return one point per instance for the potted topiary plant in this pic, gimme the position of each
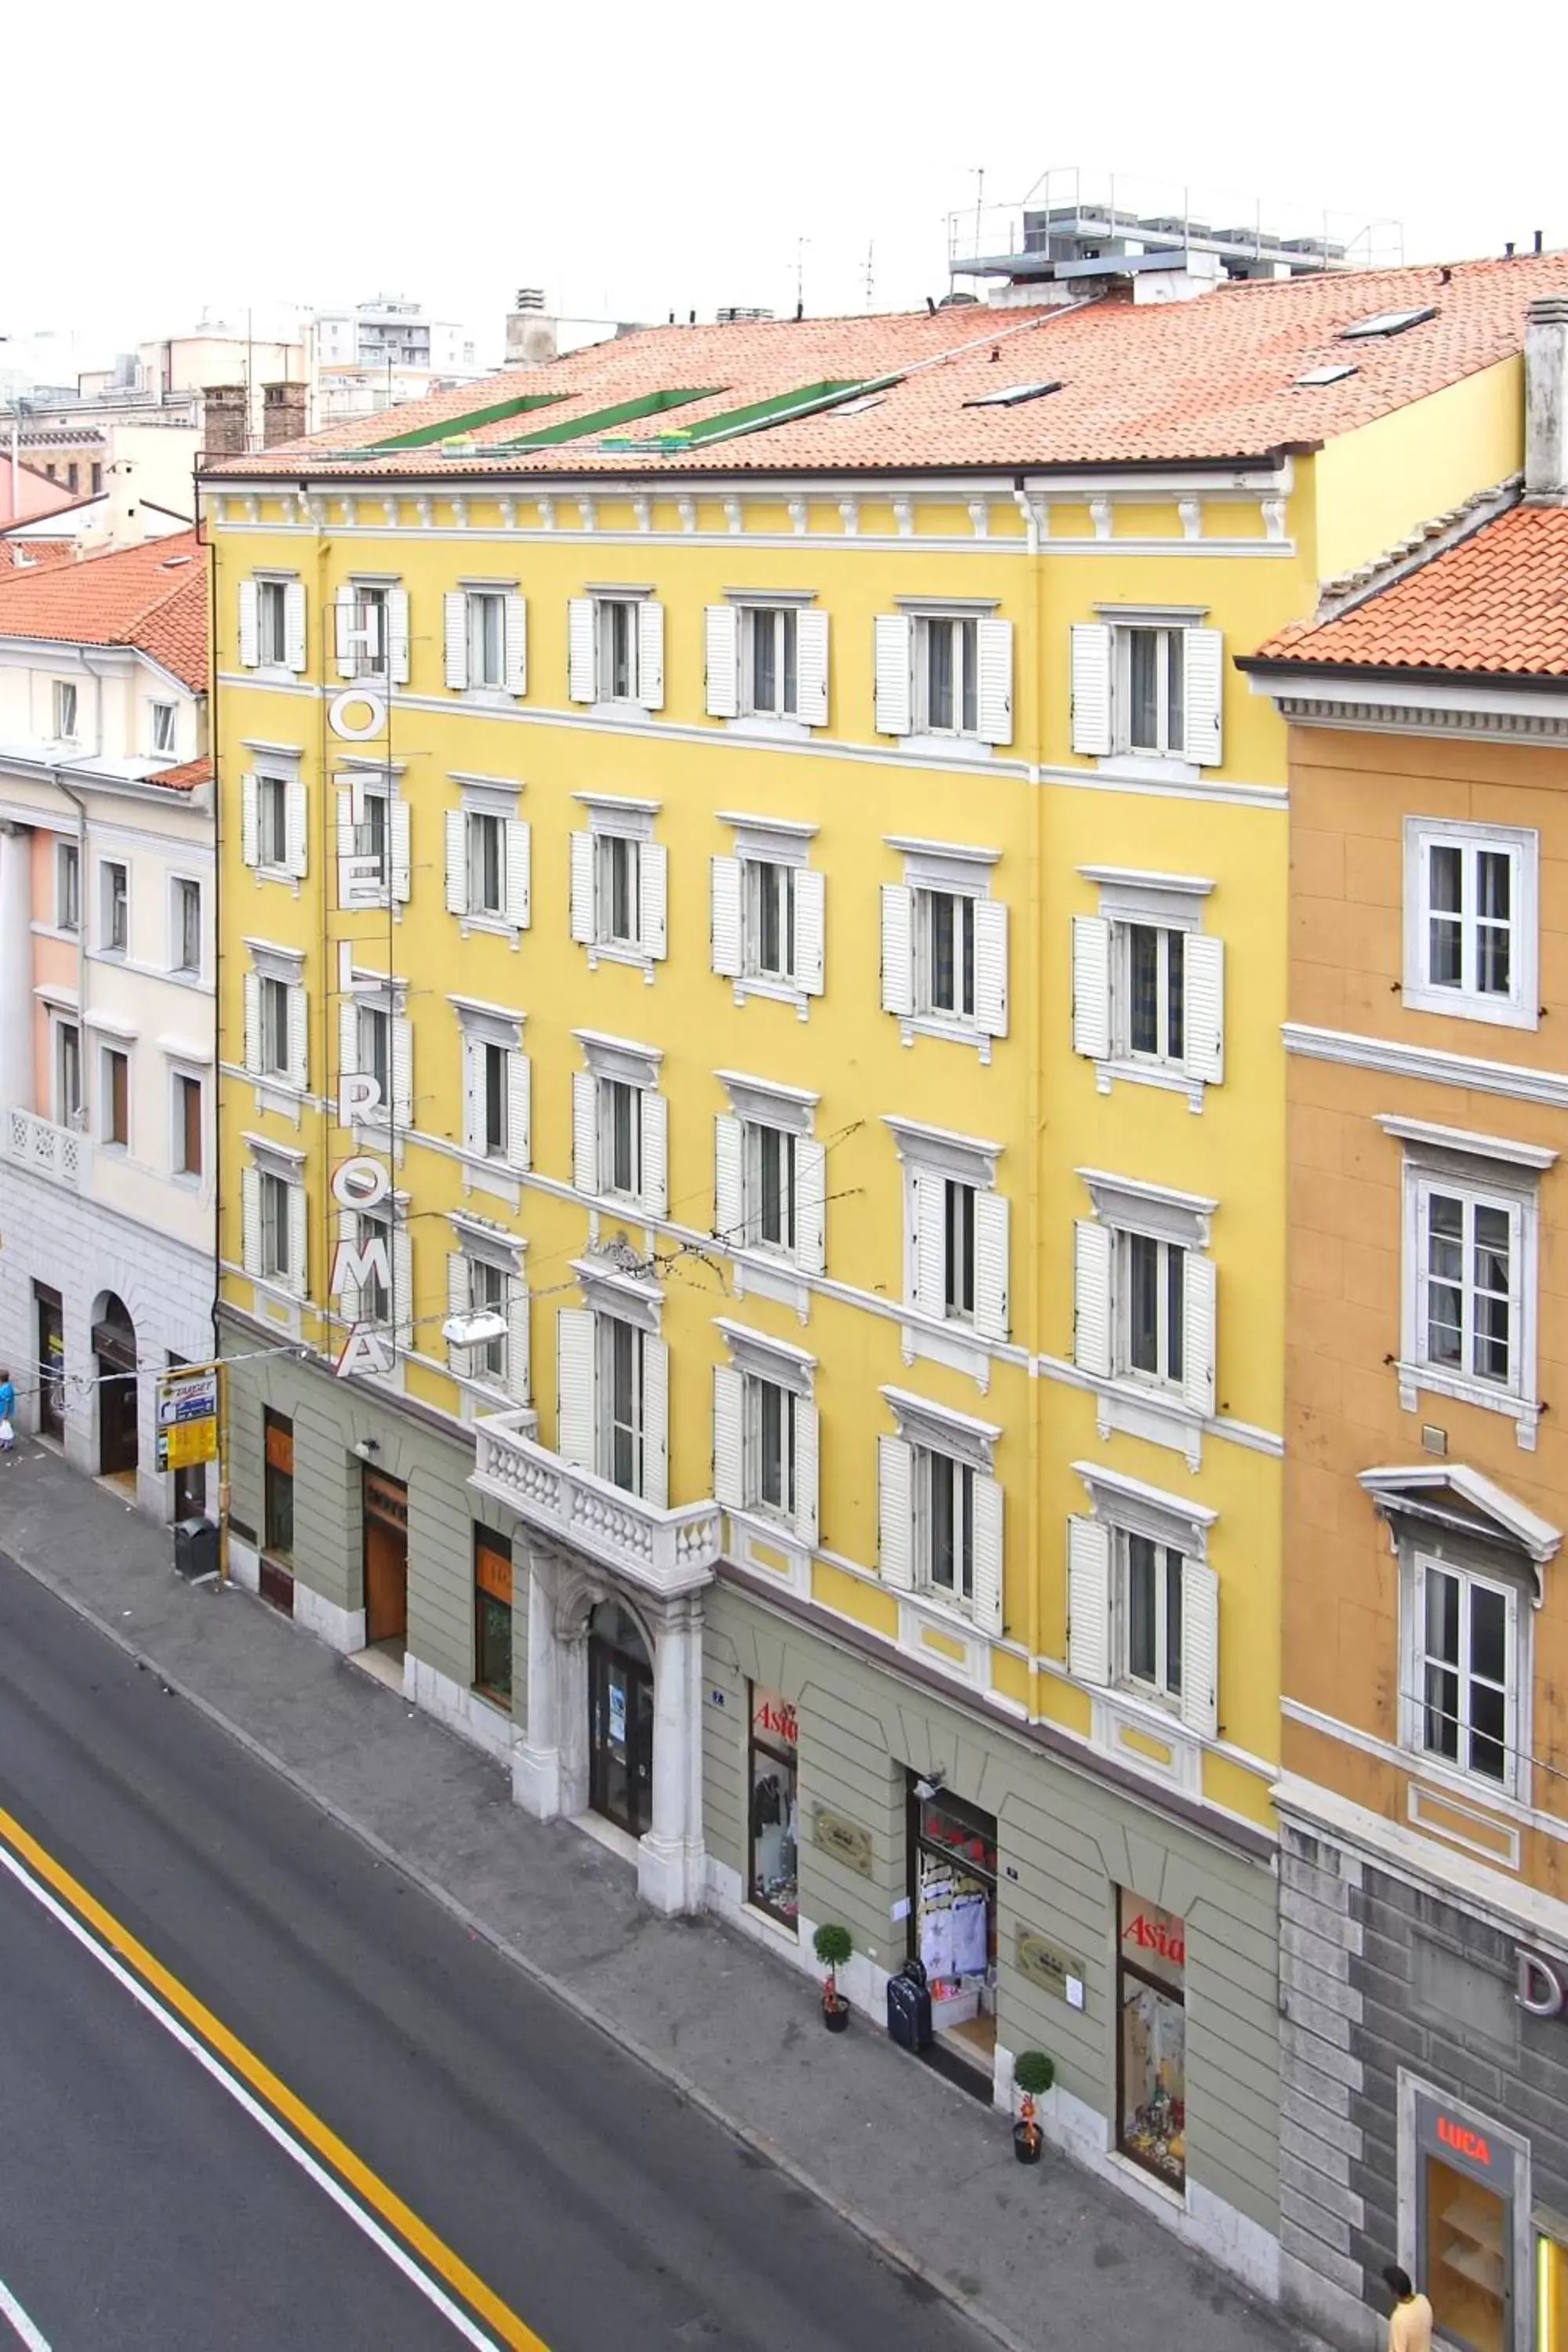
(833, 1947)
(1033, 2073)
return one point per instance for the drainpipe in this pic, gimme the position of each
(1032, 1043)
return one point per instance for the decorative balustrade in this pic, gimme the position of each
(60, 1153)
(665, 1551)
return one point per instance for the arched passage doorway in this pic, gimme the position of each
(114, 1359)
(620, 1719)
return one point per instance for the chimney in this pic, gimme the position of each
(224, 428)
(1546, 401)
(282, 412)
(529, 334)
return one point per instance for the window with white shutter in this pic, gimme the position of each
(1145, 1293)
(767, 913)
(250, 623)
(620, 883)
(766, 1435)
(944, 945)
(894, 661)
(616, 649)
(620, 1124)
(488, 859)
(1148, 687)
(1142, 1600)
(1148, 983)
(939, 1527)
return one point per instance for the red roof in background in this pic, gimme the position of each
(185, 778)
(26, 556)
(153, 597)
(1209, 379)
(1496, 603)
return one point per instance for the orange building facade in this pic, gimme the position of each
(1423, 1800)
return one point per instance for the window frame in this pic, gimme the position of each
(959, 1510)
(274, 1475)
(272, 795)
(179, 1124)
(964, 682)
(1170, 697)
(611, 1094)
(271, 623)
(65, 1057)
(273, 1197)
(782, 621)
(486, 1600)
(1168, 937)
(613, 851)
(754, 888)
(1520, 1009)
(68, 887)
(114, 902)
(480, 827)
(926, 896)
(183, 888)
(67, 711)
(158, 713)
(756, 1391)
(1419, 1559)
(1166, 1563)
(477, 623)
(1169, 1315)
(114, 1097)
(606, 623)
(1437, 1161)
(608, 1331)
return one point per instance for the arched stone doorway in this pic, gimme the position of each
(114, 1360)
(620, 1719)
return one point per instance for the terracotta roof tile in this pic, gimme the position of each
(185, 778)
(1209, 379)
(153, 597)
(1496, 603)
(26, 555)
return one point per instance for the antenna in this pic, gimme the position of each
(872, 275)
(979, 202)
(800, 245)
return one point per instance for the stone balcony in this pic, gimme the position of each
(664, 1552)
(59, 1154)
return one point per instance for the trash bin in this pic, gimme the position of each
(909, 2007)
(195, 1545)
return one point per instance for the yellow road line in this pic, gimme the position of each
(432, 2250)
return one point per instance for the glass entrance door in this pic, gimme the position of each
(620, 1720)
(1470, 2184)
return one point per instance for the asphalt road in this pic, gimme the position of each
(142, 2210)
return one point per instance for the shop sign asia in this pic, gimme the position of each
(187, 1417)
(357, 715)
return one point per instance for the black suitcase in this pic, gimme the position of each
(909, 2007)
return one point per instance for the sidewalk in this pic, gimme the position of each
(1049, 2257)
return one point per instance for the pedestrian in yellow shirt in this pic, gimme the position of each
(1410, 2322)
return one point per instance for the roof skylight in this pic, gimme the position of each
(1012, 395)
(1334, 372)
(1388, 322)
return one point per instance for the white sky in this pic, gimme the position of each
(453, 153)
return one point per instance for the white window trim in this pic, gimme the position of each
(1136, 1508)
(621, 1058)
(1520, 1009)
(763, 1102)
(954, 870)
(761, 1357)
(1121, 761)
(777, 726)
(1133, 1402)
(186, 975)
(107, 1042)
(1132, 1206)
(601, 593)
(622, 817)
(941, 1429)
(275, 576)
(1419, 1547)
(939, 1151)
(101, 946)
(66, 849)
(1498, 1170)
(1171, 902)
(181, 1068)
(947, 742)
(769, 841)
(609, 1290)
(482, 1244)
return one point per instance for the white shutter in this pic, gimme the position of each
(1203, 1008)
(295, 843)
(1089, 1601)
(655, 1422)
(349, 1296)
(726, 917)
(250, 1220)
(456, 862)
(518, 1111)
(991, 1265)
(299, 1039)
(343, 622)
(654, 1152)
(1091, 656)
(810, 925)
(252, 998)
(728, 1438)
(807, 1458)
(350, 889)
(991, 967)
(298, 1239)
(473, 1094)
(581, 651)
(459, 1360)
(402, 1071)
(810, 1205)
(519, 846)
(1202, 694)
(294, 647)
(454, 637)
(250, 821)
(988, 1554)
(928, 1207)
(518, 1354)
(249, 625)
(583, 888)
(653, 894)
(584, 1132)
(348, 1037)
(575, 1387)
(811, 668)
(723, 645)
(896, 1513)
(650, 654)
(1093, 1244)
(1198, 1331)
(397, 635)
(894, 665)
(516, 631)
(994, 698)
(898, 949)
(1092, 987)
(728, 1181)
(399, 825)
(1200, 1648)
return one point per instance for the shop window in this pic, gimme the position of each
(1467, 2228)
(492, 1617)
(277, 1510)
(953, 1917)
(775, 1817)
(1151, 2071)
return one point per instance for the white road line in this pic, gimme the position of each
(21, 2325)
(451, 2312)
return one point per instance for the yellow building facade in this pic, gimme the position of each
(752, 1116)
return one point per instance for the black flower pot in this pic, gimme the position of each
(1028, 2141)
(836, 2016)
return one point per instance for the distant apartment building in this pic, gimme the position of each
(107, 966)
